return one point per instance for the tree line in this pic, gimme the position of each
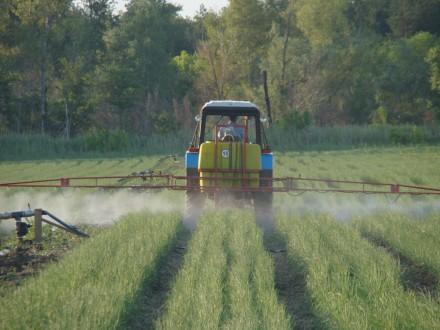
(68, 67)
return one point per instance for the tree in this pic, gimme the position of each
(72, 65)
(8, 53)
(322, 22)
(137, 62)
(40, 18)
(187, 72)
(434, 61)
(247, 24)
(287, 62)
(214, 59)
(408, 17)
(403, 87)
(80, 41)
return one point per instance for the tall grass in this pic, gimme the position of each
(37, 146)
(353, 285)
(350, 136)
(96, 284)
(418, 240)
(227, 279)
(34, 146)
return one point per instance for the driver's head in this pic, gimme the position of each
(226, 134)
(228, 138)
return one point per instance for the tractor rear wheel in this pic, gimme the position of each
(195, 201)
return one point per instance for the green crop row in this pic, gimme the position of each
(95, 285)
(227, 280)
(351, 283)
(417, 240)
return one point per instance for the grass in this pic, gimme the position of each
(351, 136)
(35, 146)
(390, 165)
(227, 277)
(417, 240)
(352, 284)
(394, 164)
(28, 170)
(398, 164)
(95, 285)
(226, 281)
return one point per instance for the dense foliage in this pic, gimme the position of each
(67, 66)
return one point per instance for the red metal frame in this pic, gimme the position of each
(174, 182)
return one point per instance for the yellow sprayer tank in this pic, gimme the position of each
(235, 163)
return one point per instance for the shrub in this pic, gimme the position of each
(106, 140)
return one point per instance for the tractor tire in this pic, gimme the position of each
(195, 201)
(263, 210)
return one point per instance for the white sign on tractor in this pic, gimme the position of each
(225, 153)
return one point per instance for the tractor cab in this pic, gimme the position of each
(229, 129)
(234, 121)
(228, 156)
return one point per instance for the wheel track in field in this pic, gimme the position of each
(290, 283)
(150, 303)
(413, 277)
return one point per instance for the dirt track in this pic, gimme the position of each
(290, 283)
(151, 302)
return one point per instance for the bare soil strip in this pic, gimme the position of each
(149, 305)
(414, 277)
(290, 282)
(21, 264)
(15, 268)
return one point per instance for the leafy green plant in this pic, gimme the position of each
(415, 239)
(379, 116)
(352, 284)
(106, 140)
(400, 135)
(227, 279)
(295, 120)
(93, 286)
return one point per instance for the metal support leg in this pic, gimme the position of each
(38, 226)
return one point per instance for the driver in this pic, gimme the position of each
(231, 133)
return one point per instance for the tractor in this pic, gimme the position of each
(229, 161)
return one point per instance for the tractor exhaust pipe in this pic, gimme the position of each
(267, 98)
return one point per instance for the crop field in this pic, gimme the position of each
(332, 261)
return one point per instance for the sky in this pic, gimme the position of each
(189, 7)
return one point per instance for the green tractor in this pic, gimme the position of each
(229, 161)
